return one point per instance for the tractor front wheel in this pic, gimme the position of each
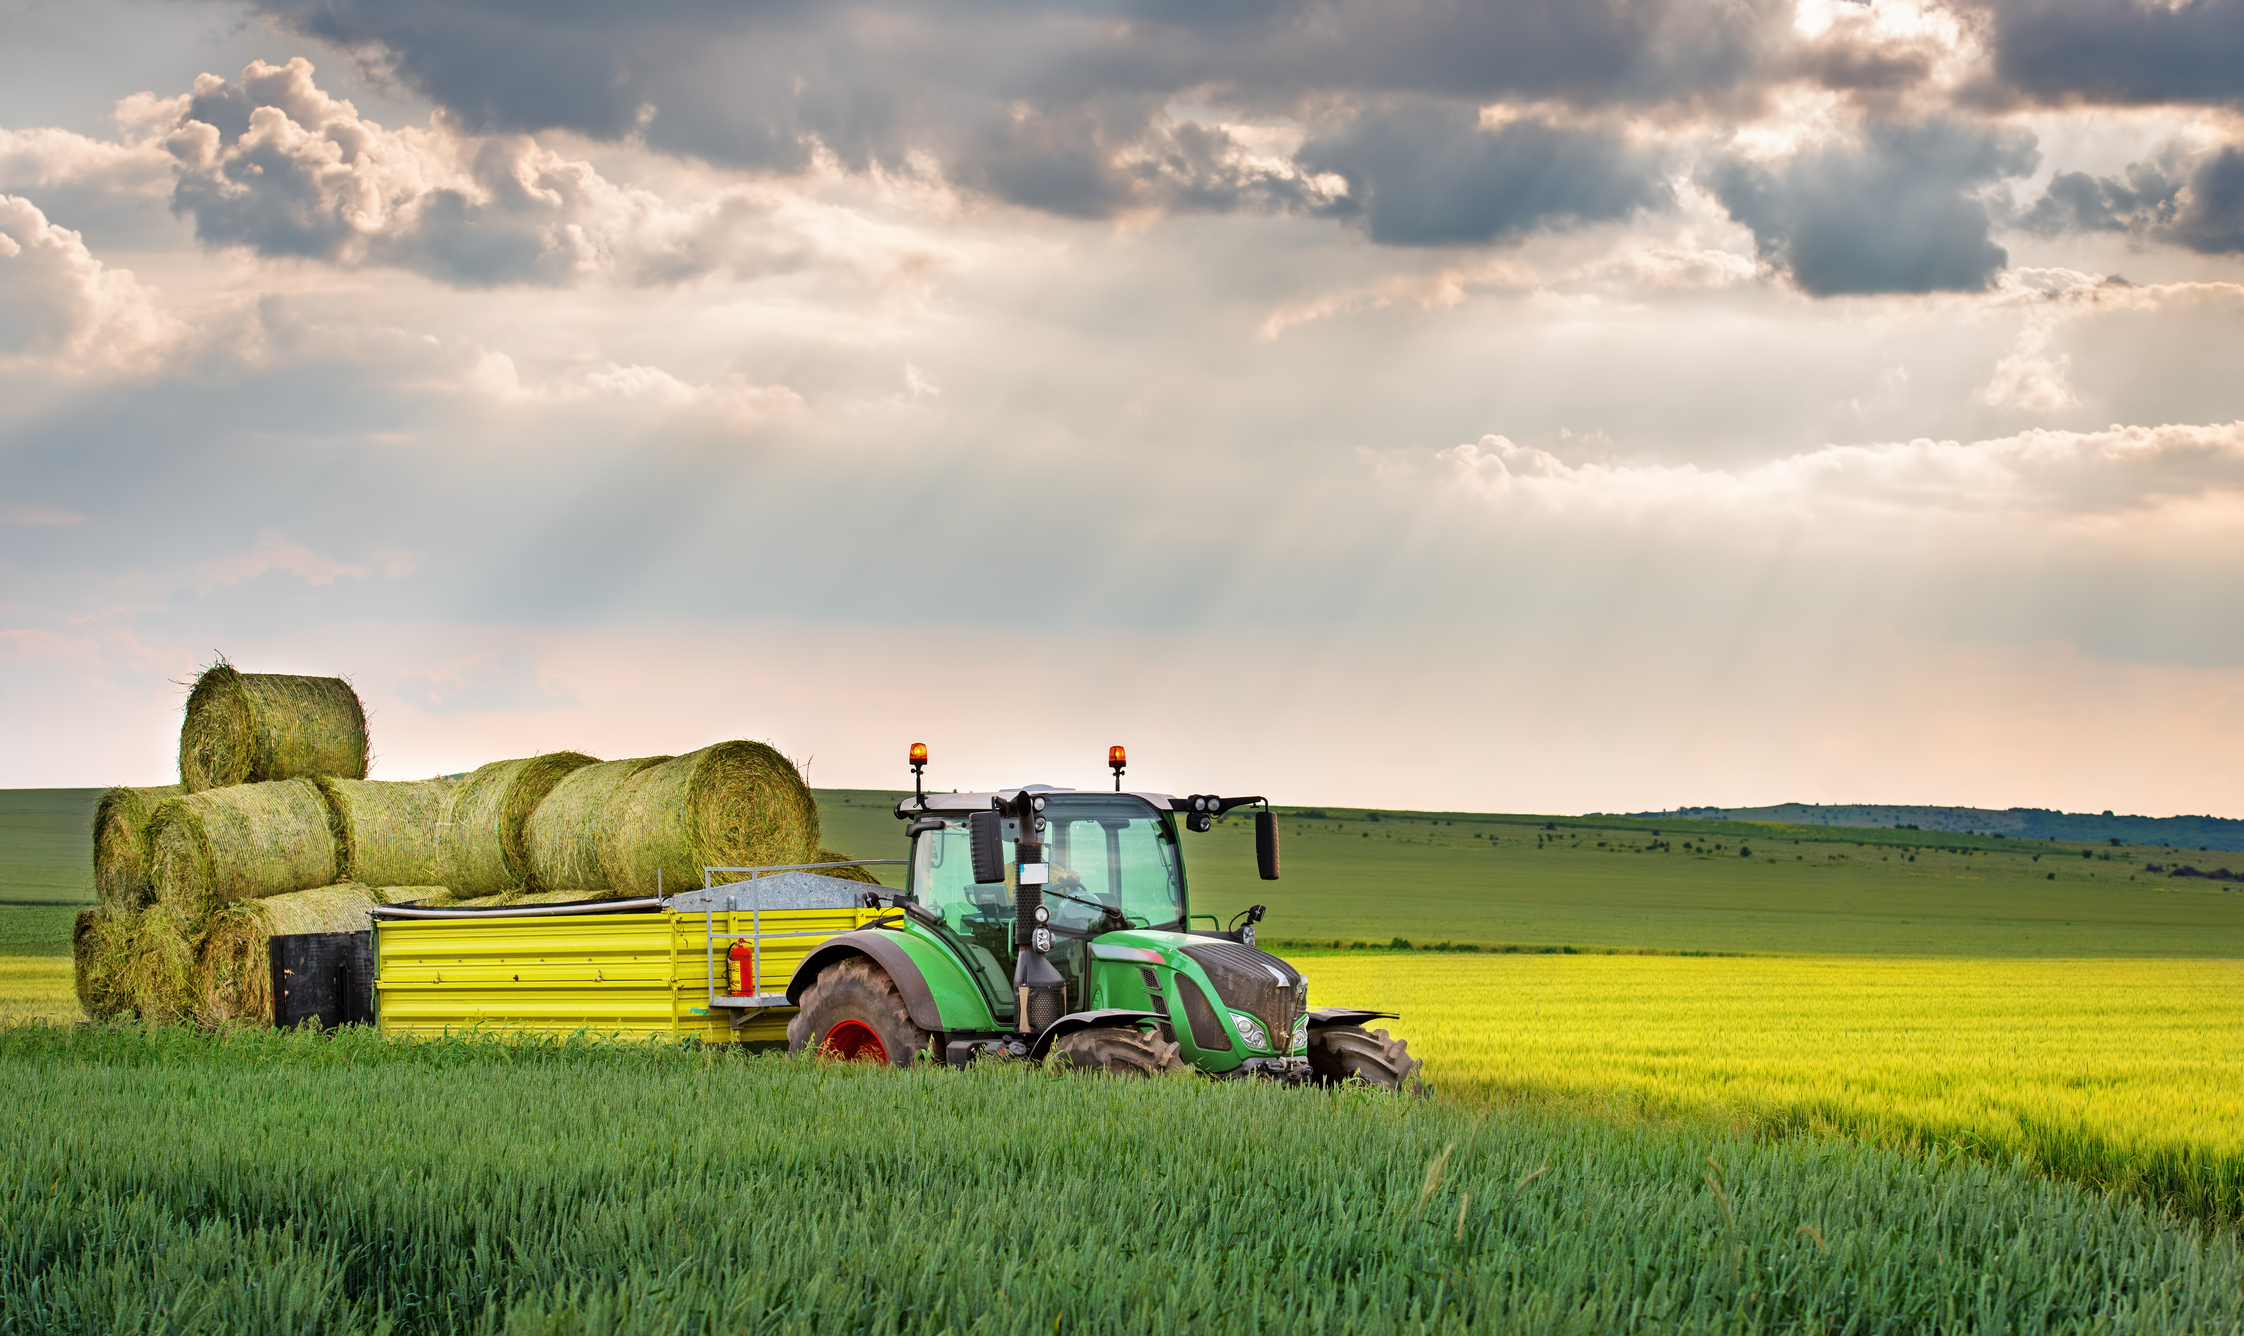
(1116, 1051)
(855, 1013)
(1338, 1052)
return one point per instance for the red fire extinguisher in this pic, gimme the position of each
(743, 958)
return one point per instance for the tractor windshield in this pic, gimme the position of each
(1114, 851)
(1103, 850)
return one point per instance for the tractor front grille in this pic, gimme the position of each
(1257, 983)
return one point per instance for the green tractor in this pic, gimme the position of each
(1084, 892)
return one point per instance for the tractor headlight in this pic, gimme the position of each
(1301, 1034)
(1251, 1030)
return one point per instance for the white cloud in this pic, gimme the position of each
(43, 158)
(61, 307)
(296, 172)
(2032, 379)
(2043, 474)
(730, 401)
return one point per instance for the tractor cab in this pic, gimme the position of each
(1112, 863)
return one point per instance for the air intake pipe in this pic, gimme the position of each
(1040, 994)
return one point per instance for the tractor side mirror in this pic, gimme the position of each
(984, 834)
(1266, 844)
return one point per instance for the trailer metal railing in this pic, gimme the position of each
(743, 1004)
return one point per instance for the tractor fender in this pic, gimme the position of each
(919, 999)
(1086, 1020)
(1321, 1017)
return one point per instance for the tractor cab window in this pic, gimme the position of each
(1112, 851)
(942, 879)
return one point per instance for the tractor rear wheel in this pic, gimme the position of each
(1338, 1052)
(1116, 1051)
(854, 1012)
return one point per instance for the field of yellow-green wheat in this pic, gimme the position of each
(2126, 1073)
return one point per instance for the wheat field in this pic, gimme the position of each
(2119, 1073)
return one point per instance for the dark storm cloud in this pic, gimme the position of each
(2200, 206)
(2213, 219)
(2076, 202)
(1059, 108)
(1427, 174)
(2124, 51)
(1900, 212)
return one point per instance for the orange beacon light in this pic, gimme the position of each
(1116, 759)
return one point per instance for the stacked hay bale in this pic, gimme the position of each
(275, 830)
(564, 831)
(736, 804)
(387, 832)
(101, 954)
(120, 846)
(243, 728)
(483, 848)
(246, 820)
(239, 843)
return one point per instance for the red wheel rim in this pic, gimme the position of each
(855, 1041)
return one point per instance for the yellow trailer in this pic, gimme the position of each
(626, 968)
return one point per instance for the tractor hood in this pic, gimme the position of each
(1243, 978)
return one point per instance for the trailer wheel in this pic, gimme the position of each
(1116, 1051)
(1338, 1052)
(855, 1013)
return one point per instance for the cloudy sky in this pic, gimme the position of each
(1529, 405)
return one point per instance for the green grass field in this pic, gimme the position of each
(165, 1181)
(46, 846)
(1624, 884)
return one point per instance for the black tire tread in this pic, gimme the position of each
(857, 989)
(1338, 1053)
(1117, 1051)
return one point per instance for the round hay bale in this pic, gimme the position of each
(246, 728)
(863, 874)
(736, 804)
(386, 831)
(564, 831)
(100, 951)
(159, 973)
(234, 976)
(482, 847)
(238, 843)
(120, 846)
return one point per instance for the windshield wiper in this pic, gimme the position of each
(1108, 912)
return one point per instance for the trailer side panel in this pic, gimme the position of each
(622, 975)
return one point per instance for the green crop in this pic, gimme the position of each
(164, 1181)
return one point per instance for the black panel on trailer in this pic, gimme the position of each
(323, 978)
